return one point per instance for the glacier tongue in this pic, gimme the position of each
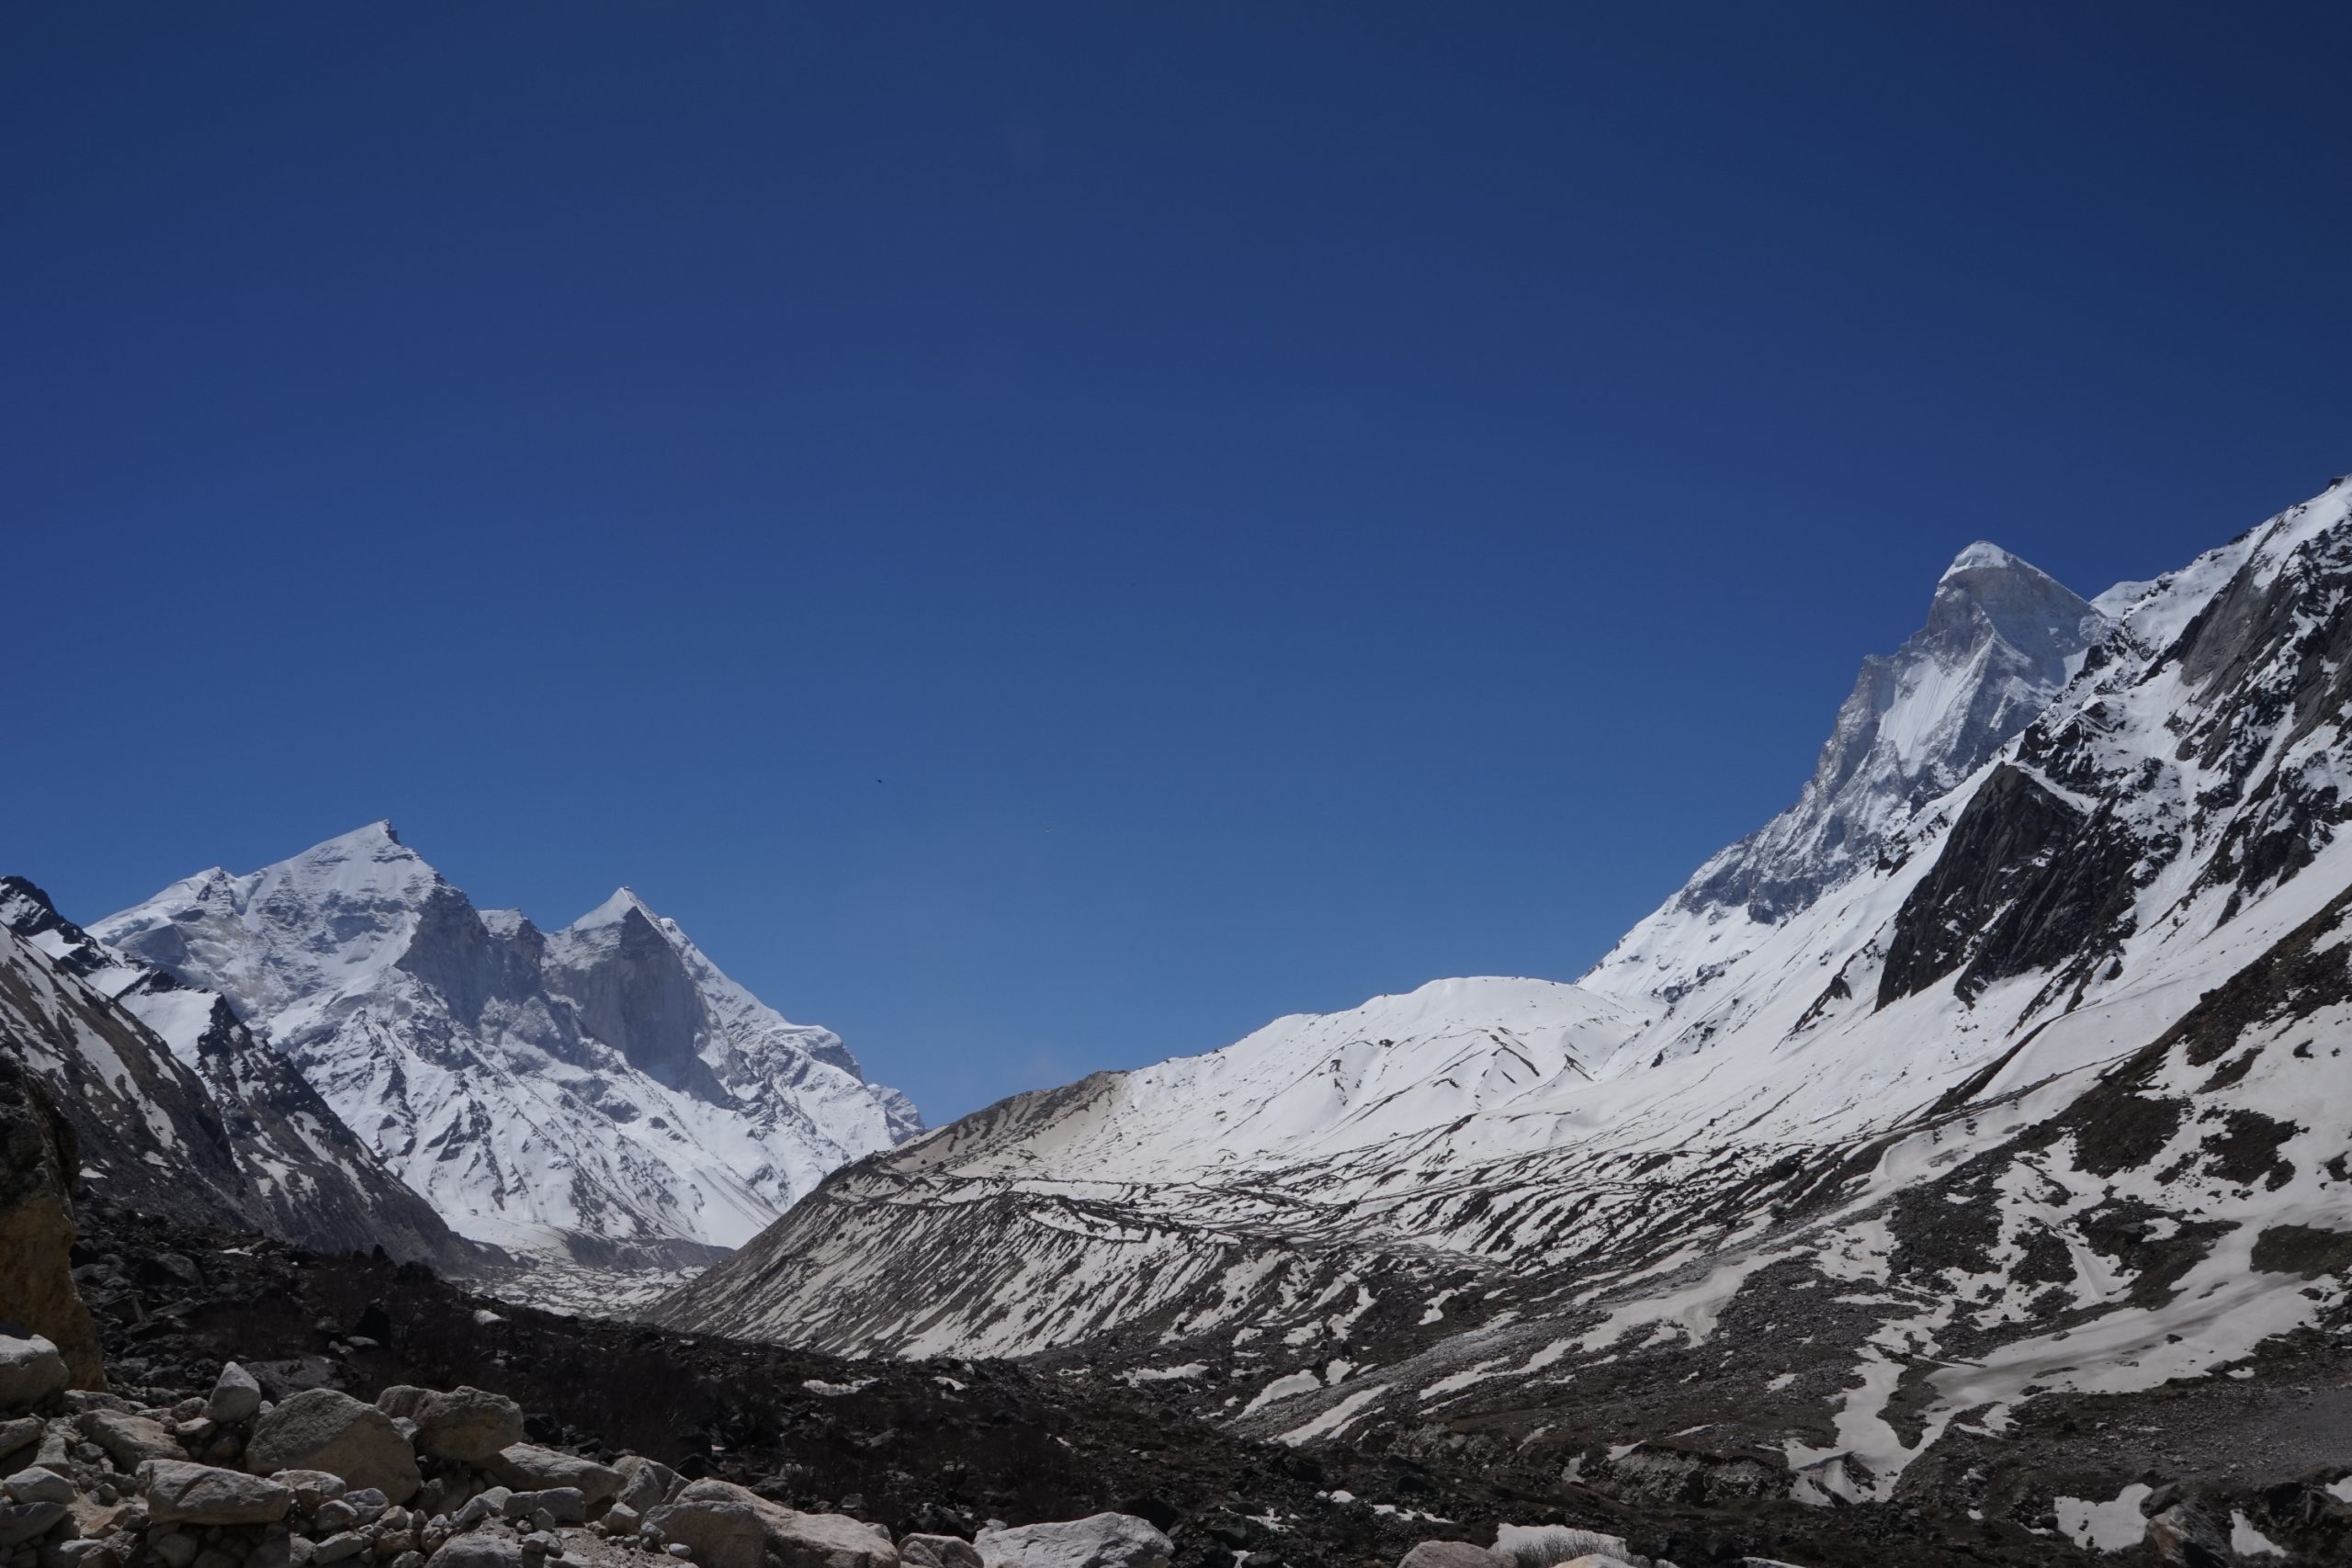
(603, 1095)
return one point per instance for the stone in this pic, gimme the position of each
(725, 1525)
(478, 1550)
(236, 1395)
(38, 1167)
(129, 1440)
(22, 1522)
(645, 1482)
(173, 1548)
(310, 1487)
(466, 1424)
(320, 1428)
(1452, 1554)
(565, 1504)
(1098, 1540)
(333, 1515)
(368, 1503)
(179, 1493)
(939, 1551)
(487, 1505)
(20, 1433)
(38, 1485)
(679, 1549)
(32, 1371)
(338, 1546)
(527, 1467)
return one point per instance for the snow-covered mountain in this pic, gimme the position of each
(180, 1112)
(2000, 640)
(2003, 1074)
(602, 1094)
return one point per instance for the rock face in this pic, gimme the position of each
(2030, 1105)
(601, 1095)
(38, 1167)
(321, 1429)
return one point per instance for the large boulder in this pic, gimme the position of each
(477, 1549)
(39, 1164)
(321, 1429)
(236, 1395)
(466, 1424)
(129, 1440)
(1098, 1540)
(728, 1526)
(1452, 1554)
(183, 1494)
(527, 1467)
(32, 1373)
(645, 1482)
(939, 1551)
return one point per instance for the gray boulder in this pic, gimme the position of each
(564, 1505)
(179, 1493)
(23, 1522)
(320, 1428)
(724, 1526)
(129, 1440)
(527, 1467)
(21, 1434)
(235, 1397)
(38, 1485)
(466, 1424)
(310, 1487)
(32, 1371)
(1452, 1554)
(480, 1550)
(939, 1551)
(1100, 1541)
(645, 1482)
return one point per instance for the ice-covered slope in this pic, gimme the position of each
(2042, 1100)
(603, 1094)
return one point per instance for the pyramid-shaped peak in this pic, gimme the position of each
(1986, 556)
(622, 902)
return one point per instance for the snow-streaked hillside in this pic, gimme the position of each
(603, 1094)
(2039, 1096)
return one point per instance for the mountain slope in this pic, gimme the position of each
(1931, 1152)
(601, 1095)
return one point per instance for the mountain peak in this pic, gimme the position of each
(1986, 556)
(614, 910)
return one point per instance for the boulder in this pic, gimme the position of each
(129, 1440)
(527, 1467)
(939, 1551)
(1452, 1554)
(21, 1434)
(466, 1424)
(310, 1487)
(23, 1522)
(725, 1526)
(480, 1550)
(39, 1166)
(179, 1493)
(320, 1428)
(38, 1485)
(1100, 1541)
(645, 1482)
(32, 1373)
(236, 1396)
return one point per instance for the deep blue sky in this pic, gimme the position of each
(1047, 536)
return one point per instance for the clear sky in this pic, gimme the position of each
(1048, 536)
